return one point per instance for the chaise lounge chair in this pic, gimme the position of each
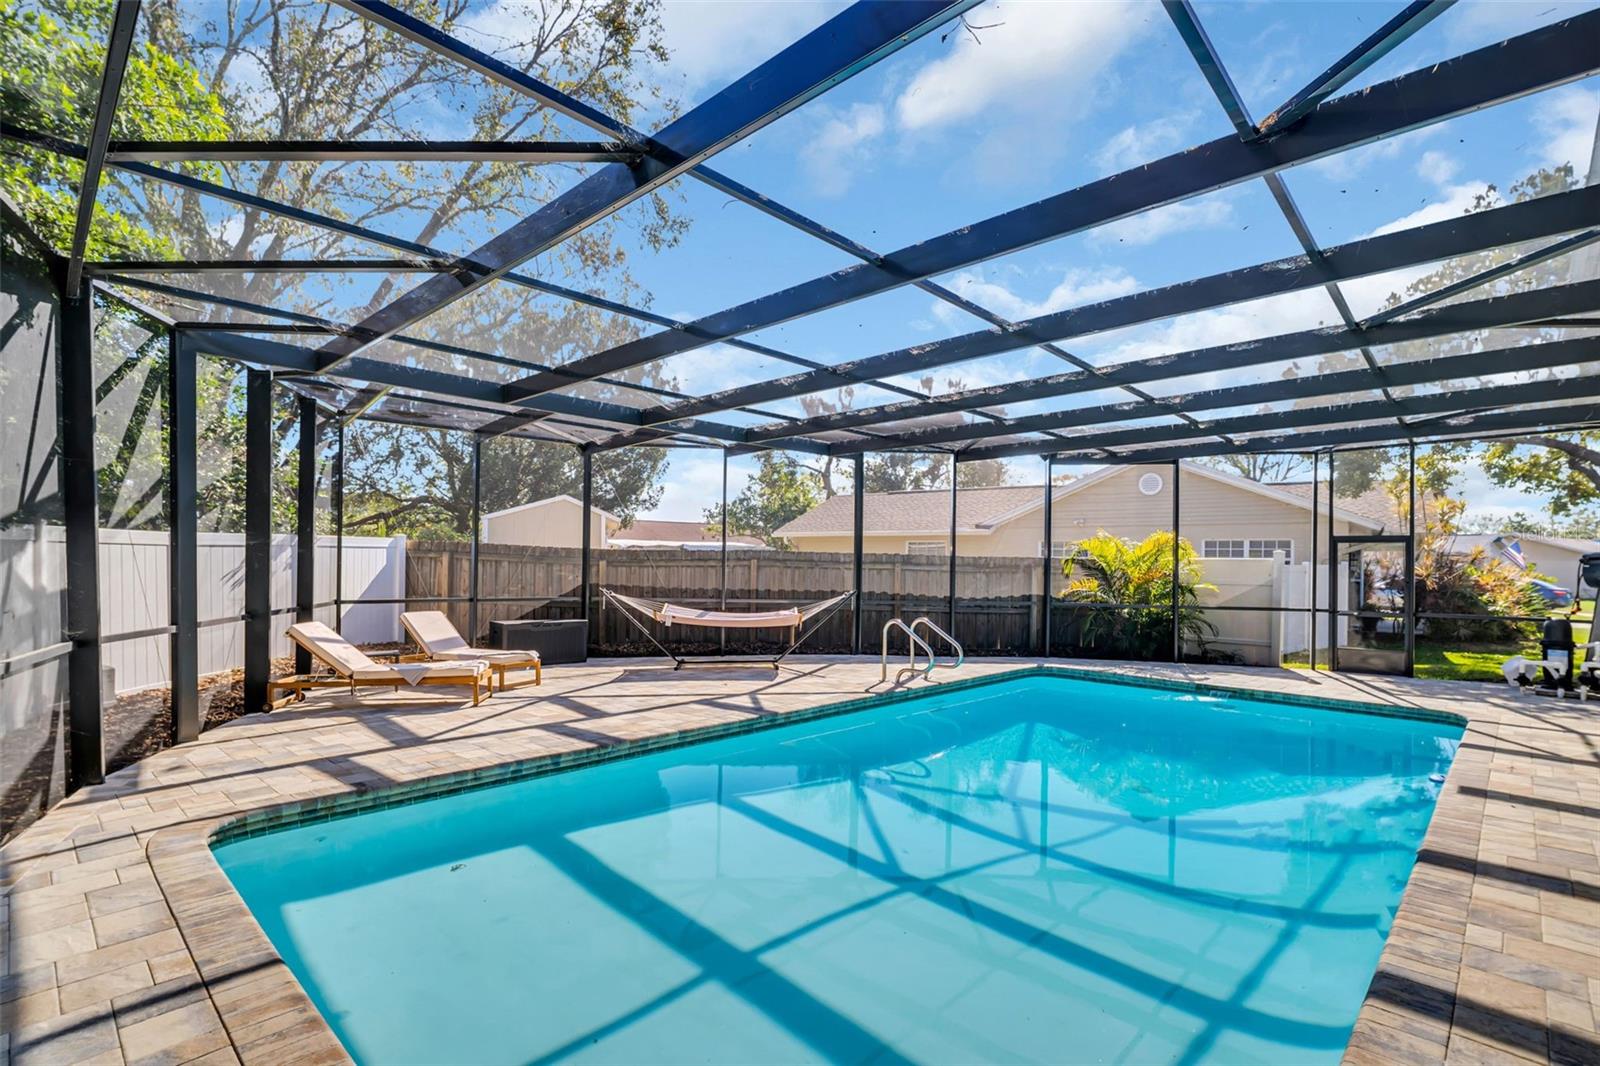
(352, 667)
(441, 642)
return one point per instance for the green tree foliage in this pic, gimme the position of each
(1563, 468)
(289, 71)
(1109, 573)
(404, 479)
(52, 54)
(780, 491)
(1452, 582)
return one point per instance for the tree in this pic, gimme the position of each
(780, 491)
(1108, 575)
(897, 471)
(1565, 469)
(51, 56)
(1267, 468)
(283, 71)
(418, 482)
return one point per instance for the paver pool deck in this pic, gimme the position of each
(124, 942)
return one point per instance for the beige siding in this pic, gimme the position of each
(556, 523)
(1553, 561)
(1211, 510)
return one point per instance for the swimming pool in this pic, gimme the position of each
(1041, 869)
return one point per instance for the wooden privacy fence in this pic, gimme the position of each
(999, 605)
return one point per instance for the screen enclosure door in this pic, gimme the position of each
(1371, 620)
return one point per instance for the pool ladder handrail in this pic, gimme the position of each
(911, 668)
(961, 655)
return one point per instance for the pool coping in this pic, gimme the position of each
(349, 804)
(1407, 1015)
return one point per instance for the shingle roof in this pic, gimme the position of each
(1375, 504)
(678, 533)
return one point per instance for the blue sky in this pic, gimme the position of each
(1050, 96)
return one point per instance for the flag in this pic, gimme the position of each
(1512, 552)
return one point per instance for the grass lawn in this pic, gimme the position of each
(1478, 662)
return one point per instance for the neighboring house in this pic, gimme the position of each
(690, 536)
(1554, 557)
(1224, 516)
(557, 522)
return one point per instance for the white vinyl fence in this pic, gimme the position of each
(134, 595)
(1263, 637)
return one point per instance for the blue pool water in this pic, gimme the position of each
(1043, 869)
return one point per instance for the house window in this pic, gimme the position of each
(1059, 549)
(1263, 549)
(1246, 549)
(927, 547)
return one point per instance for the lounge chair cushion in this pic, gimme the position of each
(330, 649)
(498, 658)
(412, 673)
(435, 635)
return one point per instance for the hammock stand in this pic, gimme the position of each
(793, 619)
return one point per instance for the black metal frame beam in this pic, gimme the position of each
(1449, 368)
(1434, 403)
(857, 552)
(1348, 67)
(305, 558)
(437, 260)
(1484, 277)
(267, 266)
(1538, 60)
(1513, 310)
(1449, 427)
(302, 323)
(183, 547)
(585, 551)
(845, 45)
(257, 539)
(1187, 23)
(86, 763)
(336, 505)
(370, 151)
(1049, 550)
(124, 19)
(1532, 220)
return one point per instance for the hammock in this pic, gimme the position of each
(669, 614)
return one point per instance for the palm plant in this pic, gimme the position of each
(1129, 587)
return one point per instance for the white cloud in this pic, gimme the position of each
(713, 42)
(1288, 313)
(1368, 294)
(1457, 200)
(1076, 287)
(840, 146)
(1566, 121)
(1150, 226)
(1135, 145)
(1028, 53)
(1437, 168)
(1477, 23)
(1345, 165)
(692, 482)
